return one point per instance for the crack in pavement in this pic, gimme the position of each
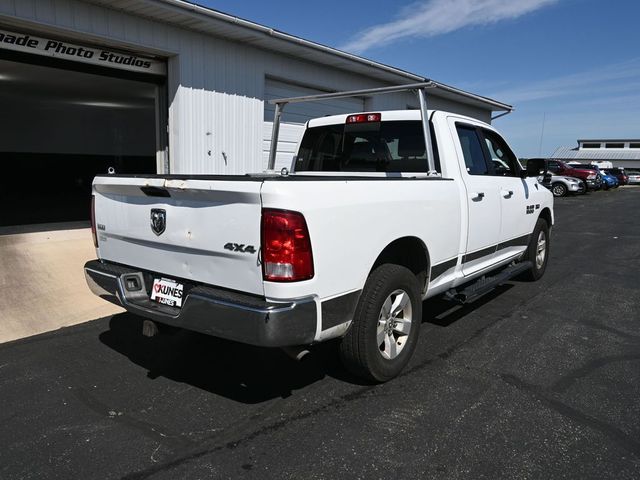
(187, 456)
(625, 441)
(147, 429)
(606, 328)
(567, 380)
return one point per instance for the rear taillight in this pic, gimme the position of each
(93, 221)
(364, 118)
(286, 246)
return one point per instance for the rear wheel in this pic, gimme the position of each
(538, 251)
(385, 327)
(559, 189)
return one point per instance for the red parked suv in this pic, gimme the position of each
(589, 177)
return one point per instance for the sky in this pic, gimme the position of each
(571, 68)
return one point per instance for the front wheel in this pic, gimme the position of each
(538, 251)
(582, 188)
(385, 327)
(559, 189)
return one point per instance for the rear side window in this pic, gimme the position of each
(393, 146)
(472, 150)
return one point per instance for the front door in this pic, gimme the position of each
(517, 210)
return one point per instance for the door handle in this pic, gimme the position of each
(506, 193)
(477, 196)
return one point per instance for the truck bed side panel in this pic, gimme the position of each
(352, 221)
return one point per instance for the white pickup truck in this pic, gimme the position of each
(370, 221)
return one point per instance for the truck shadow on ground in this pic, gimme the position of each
(245, 373)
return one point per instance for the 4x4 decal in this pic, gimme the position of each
(240, 247)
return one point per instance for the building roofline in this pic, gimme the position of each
(605, 140)
(300, 45)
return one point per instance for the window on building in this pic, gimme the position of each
(590, 145)
(634, 145)
(614, 145)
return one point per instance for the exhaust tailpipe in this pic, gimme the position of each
(296, 353)
(149, 328)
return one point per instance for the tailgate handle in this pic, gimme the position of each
(155, 191)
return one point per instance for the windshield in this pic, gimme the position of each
(393, 146)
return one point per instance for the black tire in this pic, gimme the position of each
(558, 189)
(537, 268)
(360, 350)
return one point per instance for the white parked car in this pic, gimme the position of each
(561, 186)
(634, 176)
(370, 221)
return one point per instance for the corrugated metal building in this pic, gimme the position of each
(168, 86)
(620, 152)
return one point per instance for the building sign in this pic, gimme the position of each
(68, 51)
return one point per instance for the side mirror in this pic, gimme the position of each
(535, 168)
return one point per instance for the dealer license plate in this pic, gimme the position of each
(167, 291)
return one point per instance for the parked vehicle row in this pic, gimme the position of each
(609, 179)
(620, 174)
(574, 178)
(589, 175)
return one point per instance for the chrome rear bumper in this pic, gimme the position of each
(213, 311)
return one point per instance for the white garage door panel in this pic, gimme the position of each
(288, 139)
(301, 112)
(295, 115)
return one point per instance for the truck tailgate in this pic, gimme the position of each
(202, 217)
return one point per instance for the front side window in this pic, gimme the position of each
(503, 160)
(392, 146)
(474, 159)
(553, 167)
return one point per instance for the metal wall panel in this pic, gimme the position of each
(216, 87)
(295, 115)
(7, 7)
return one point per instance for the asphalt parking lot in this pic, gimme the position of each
(532, 381)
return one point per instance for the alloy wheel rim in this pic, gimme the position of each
(541, 250)
(558, 190)
(394, 324)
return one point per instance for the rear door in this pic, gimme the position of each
(203, 230)
(483, 201)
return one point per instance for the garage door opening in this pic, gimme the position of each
(59, 128)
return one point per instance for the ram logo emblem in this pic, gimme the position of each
(158, 220)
